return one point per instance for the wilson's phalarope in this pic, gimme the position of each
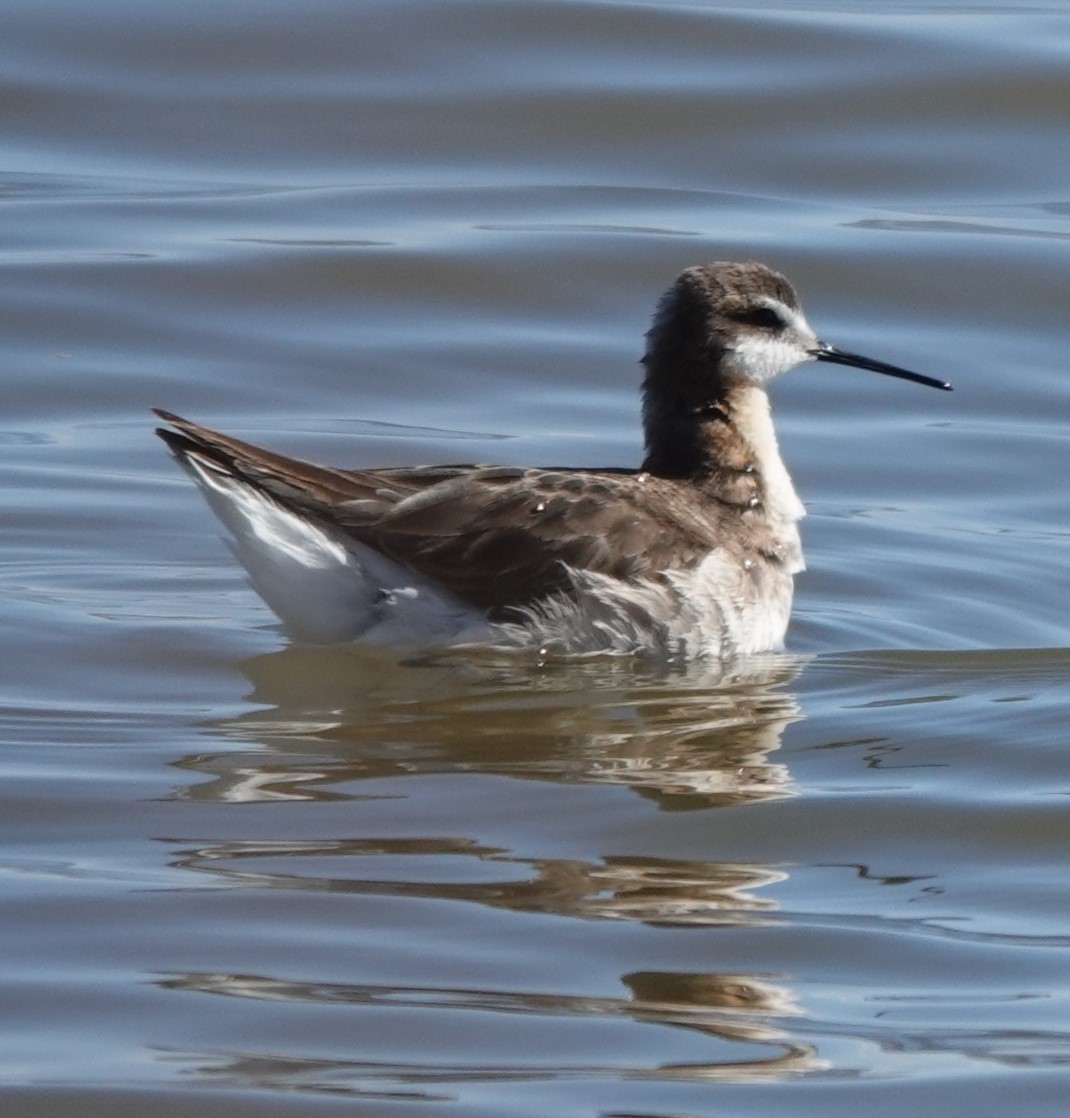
(691, 554)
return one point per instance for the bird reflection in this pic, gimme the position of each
(739, 1016)
(658, 891)
(336, 717)
(344, 725)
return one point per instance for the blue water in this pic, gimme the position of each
(246, 879)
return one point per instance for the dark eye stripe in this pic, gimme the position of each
(765, 317)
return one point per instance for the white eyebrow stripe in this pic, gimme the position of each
(792, 317)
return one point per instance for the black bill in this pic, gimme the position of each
(836, 356)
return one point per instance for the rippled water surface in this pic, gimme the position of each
(241, 878)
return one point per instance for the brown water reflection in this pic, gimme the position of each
(343, 728)
(686, 739)
(736, 1009)
(654, 890)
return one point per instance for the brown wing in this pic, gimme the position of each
(497, 537)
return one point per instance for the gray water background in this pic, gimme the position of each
(245, 879)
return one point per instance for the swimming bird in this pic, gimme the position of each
(691, 555)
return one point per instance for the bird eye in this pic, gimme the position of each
(764, 317)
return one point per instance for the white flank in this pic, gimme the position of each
(324, 590)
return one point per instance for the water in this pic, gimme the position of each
(246, 879)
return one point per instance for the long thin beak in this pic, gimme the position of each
(836, 356)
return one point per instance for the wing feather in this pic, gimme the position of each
(499, 538)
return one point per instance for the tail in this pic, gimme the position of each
(320, 580)
(309, 576)
(296, 484)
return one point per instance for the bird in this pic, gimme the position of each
(692, 555)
